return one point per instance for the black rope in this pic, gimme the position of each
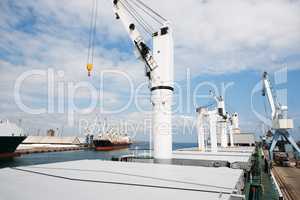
(120, 183)
(209, 105)
(134, 175)
(229, 108)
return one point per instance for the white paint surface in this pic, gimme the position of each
(16, 184)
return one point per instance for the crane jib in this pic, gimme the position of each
(144, 51)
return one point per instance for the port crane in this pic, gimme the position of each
(279, 115)
(158, 65)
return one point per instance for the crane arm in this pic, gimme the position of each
(220, 104)
(267, 91)
(122, 11)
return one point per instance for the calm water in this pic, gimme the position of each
(43, 158)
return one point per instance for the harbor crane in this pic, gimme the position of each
(280, 121)
(158, 66)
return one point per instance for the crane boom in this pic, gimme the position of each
(135, 36)
(220, 104)
(278, 112)
(159, 69)
(222, 117)
(267, 91)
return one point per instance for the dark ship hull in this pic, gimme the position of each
(107, 145)
(9, 144)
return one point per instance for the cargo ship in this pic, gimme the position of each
(111, 141)
(10, 138)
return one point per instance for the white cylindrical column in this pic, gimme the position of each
(223, 131)
(235, 121)
(213, 131)
(200, 128)
(162, 93)
(231, 135)
(162, 123)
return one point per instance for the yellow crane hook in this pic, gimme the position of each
(89, 68)
(91, 48)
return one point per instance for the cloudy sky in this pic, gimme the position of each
(217, 43)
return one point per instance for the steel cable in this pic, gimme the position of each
(94, 30)
(124, 183)
(91, 30)
(137, 19)
(147, 12)
(150, 9)
(137, 15)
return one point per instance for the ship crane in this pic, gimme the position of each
(213, 118)
(158, 66)
(222, 118)
(280, 121)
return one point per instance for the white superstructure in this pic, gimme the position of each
(9, 129)
(216, 123)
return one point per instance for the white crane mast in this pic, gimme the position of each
(213, 121)
(207, 125)
(159, 70)
(230, 130)
(213, 115)
(222, 119)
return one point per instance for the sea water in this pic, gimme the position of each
(52, 157)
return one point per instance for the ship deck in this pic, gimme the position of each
(234, 157)
(236, 149)
(229, 156)
(90, 179)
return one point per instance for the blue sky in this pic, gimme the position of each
(216, 42)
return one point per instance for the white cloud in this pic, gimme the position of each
(211, 37)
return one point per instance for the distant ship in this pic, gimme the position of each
(111, 141)
(10, 138)
(103, 136)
